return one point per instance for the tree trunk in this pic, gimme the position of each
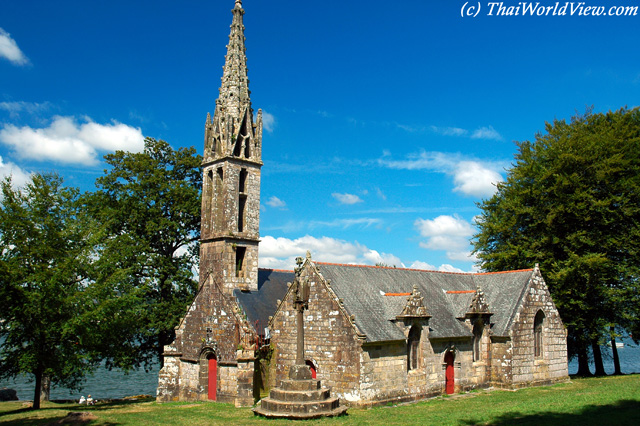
(583, 363)
(36, 395)
(597, 358)
(46, 388)
(614, 350)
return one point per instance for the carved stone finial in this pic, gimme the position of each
(239, 3)
(308, 255)
(415, 306)
(479, 304)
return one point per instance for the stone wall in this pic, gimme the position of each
(219, 258)
(501, 361)
(227, 382)
(168, 380)
(551, 366)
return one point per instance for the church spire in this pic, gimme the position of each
(233, 132)
(234, 91)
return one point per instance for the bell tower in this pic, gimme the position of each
(231, 165)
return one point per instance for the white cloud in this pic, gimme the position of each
(347, 198)
(15, 108)
(280, 253)
(268, 121)
(447, 233)
(450, 131)
(276, 203)
(422, 265)
(18, 176)
(66, 141)
(471, 177)
(476, 179)
(486, 133)
(364, 222)
(445, 267)
(9, 49)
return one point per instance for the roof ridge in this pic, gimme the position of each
(504, 272)
(275, 270)
(422, 270)
(392, 267)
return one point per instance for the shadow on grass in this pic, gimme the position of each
(57, 420)
(625, 412)
(40, 417)
(71, 407)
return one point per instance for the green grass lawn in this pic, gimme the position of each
(608, 401)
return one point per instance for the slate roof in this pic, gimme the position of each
(364, 291)
(447, 297)
(259, 305)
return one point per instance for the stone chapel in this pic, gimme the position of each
(373, 334)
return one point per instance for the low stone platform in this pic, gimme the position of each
(300, 399)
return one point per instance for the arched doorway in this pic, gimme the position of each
(312, 368)
(212, 383)
(449, 373)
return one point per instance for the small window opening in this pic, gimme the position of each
(220, 174)
(247, 148)
(240, 253)
(538, 325)
(242, 183)
(208, 197)
(413, 345)
(477, 341)
(241, 208)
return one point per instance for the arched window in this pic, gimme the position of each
(477, 341)
(412, 348)
(538, 325)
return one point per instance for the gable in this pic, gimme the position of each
(260, 305)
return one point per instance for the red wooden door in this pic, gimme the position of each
(213, 378)
(312, 368)
(449, 374)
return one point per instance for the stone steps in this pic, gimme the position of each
(300, 399)
(299, 396)
(300, 385)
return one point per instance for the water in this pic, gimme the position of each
(105, 384)
(629, 359)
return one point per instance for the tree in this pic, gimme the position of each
(45, 251)
(149, 207)
(571, 202)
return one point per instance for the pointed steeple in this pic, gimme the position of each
(233, 133)
(234, 90)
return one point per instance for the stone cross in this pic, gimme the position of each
(301, 302)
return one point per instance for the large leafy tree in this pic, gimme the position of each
(148, 205)
(45, 252)
(571, 202)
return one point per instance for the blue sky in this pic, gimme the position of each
(386, 122)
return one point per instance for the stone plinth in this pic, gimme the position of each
(300, 399)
